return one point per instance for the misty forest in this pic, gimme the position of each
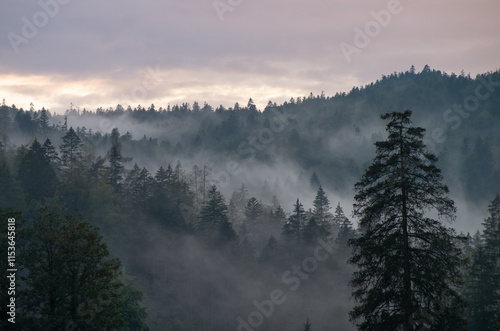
(376, 209)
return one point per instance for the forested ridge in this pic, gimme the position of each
(211, 210)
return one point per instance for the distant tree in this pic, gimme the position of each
(312, 231)
(307, 326)
(71, 154)
(51, 152)
(292, 229)
(314, 181)
(13, 196)
(346, 231)
(36, 173)
(44, 120)
(115, 158)
(481, 291)
(321, 210)
(270, 250)
(253, 210)
(214, 225)
(408, 266)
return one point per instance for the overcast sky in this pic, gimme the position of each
(103, 53)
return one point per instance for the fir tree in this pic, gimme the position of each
(292, 229)
(483, 297)
(214, 225)
(408, 264)
(71, 154)
(115, 158)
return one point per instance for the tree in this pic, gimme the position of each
(307, 326)
(69, 281)
(346, 231)
(51, 152)
(321, 210)
(408, 266)
(292, 229)
(71, 154)
(314, 181)
(36, 172)
(214, 225)
(44, 120)
(116, 160)
(483, 297)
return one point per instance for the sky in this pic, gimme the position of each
(90, 54)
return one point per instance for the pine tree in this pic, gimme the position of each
(483, 297)
(253, 210)
(408, 266)
(307, 326)
(69, 280)
(322, 208)
(44, 120)
(214, 225)
(292, 229)
(314, 181)
(36, 173)
(51, 152)
(115, 158)
(71, 154)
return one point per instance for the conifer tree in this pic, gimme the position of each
(292, 229)
(482, 294)
(408, 266)
(71, 154)
(322, 208)
(115, 158)
(214, 225)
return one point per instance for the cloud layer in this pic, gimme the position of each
(93, 53)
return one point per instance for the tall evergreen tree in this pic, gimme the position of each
(36, 172)
(71, 154)
(292, 229)
(214, 225)
(408, 266)
(69, 281)
(322, 208)
(116, 160)
(483, 284)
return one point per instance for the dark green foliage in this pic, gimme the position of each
(11, 194)
(322, 208)
(483, 281)
(36, 173)
(69, 279)
(408, 265)
(346, 231)
(292, 229)
(214, 225)
(115, 170)
(71, 154)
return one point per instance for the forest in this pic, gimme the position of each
(374, 209)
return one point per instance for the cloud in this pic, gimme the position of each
(261, 49)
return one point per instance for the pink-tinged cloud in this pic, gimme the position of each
(95, 53)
